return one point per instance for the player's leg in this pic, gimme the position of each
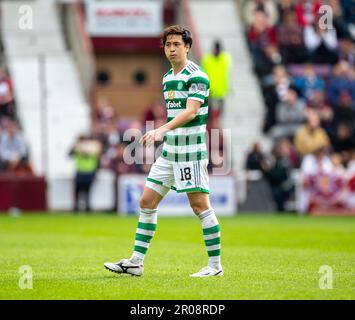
(157, 186)
(145, 231)
(147, 222)
(201, 206)
(192, 177)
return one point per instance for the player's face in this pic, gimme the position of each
(175, 49)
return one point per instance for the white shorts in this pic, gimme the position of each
(190, 176)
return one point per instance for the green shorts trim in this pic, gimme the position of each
(193, 190)
(155, 181)
(179, 191)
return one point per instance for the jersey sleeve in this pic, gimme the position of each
(198, 87)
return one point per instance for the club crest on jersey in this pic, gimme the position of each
(171, 94)
(180, 85)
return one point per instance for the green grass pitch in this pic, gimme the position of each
(264, 257)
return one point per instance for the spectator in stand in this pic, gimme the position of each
(86, 154)
(277, 171)
(316, 162)
(290, 115)
(313, 164)
(267, 6)
(338, 20)
(218, 66)
(118, 157)
(260, 34)
(307, 11)
(344, 140)
(111, 134)
(285, 7)
(13, 150)
(109, 141)
(7, 108)
(119, 164)
(290, 152)
(348, 8)
(321, 43)
(308, 83)
(347, 51)
(350, 177)
(105, 123)
(269, 58)
(138, 127)
(104, 112)
(279, 82)
(275, 90)
(344, 110)
(136, 150)
(338, 164)
(217, 154)
(351, 164)
(157, 113)
(311, 137)
(325, 113)
(254, 157)
(154, 112)
(290, 37)
(342, 79)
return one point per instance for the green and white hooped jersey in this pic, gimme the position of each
(187, 143)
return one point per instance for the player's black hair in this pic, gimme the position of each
(176, 29)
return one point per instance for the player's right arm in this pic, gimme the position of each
(192, 108)
(198, 87)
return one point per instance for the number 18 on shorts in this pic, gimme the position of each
(190, 176)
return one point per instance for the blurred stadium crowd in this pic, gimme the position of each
(306, 72)
(13, 148)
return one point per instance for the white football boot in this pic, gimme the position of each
(125, 266)
(208, 272)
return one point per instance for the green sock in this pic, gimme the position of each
(147, 224)
(212, 237)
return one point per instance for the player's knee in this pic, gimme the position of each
(198, 207)
(147, 203)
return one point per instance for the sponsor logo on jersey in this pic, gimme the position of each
(171, 94)
(172, 104)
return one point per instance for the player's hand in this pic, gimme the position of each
(147, 138)
(151, 136)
